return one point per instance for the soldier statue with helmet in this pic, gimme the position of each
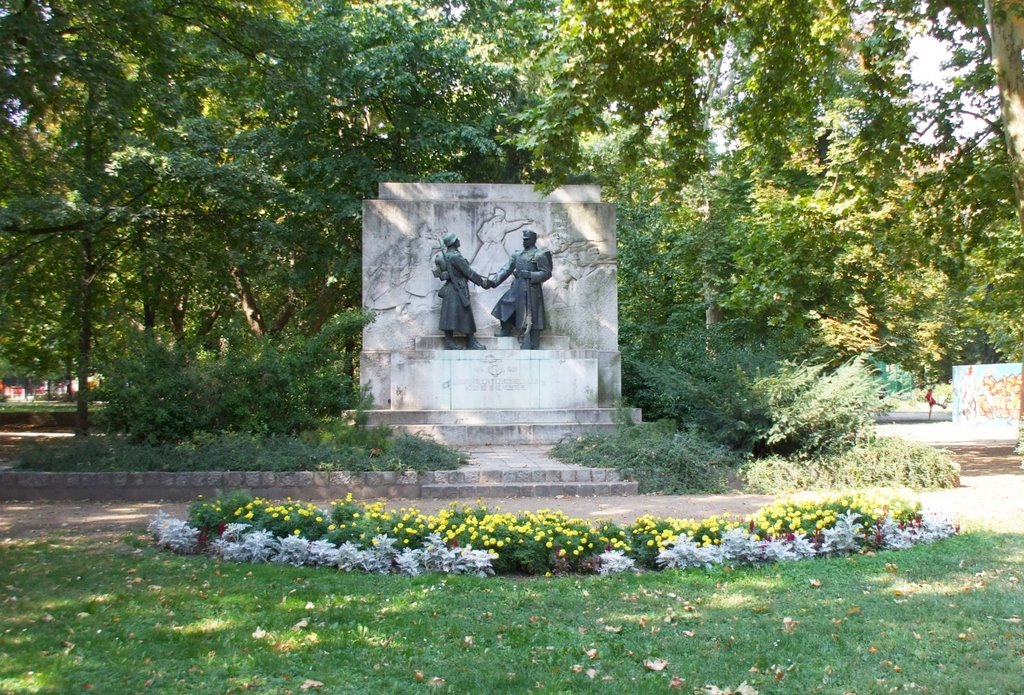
(521, 309)
(452, 268)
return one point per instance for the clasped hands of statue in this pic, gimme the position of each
(489, 282)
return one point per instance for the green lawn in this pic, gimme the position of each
(117, 616)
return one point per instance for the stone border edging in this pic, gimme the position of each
(186, 486)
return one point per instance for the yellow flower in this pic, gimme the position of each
(296, 532)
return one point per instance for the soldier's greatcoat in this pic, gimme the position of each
(456, 310)
(523, 303)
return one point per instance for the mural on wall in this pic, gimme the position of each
(987, 392)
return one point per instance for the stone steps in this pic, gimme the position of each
(469, 491)
(501, 427)
(500, 435)
(530, 481)
(528, 416)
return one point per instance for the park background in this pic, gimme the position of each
(797, 181)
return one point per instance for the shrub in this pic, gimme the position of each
(705, 387)
(660, 458)
(240, 452)
(880, 462)
(813, 411)
(261, 386)
(750, 402)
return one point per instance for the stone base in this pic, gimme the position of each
(498, 379)
(500, 395)
(502, 426)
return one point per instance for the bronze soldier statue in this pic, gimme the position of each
(453, 269)
(521, 308)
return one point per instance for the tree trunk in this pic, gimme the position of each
(1006, 25)
(84, 337)
(250, 307)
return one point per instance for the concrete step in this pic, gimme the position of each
(529, 416)
(471, 490)
(502, 435)
(559, 473)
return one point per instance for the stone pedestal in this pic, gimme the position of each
(502, 394)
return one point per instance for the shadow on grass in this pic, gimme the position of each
(119, 616)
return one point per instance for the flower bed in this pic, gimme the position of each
(462, 539)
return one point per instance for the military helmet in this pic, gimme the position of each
(449, 239)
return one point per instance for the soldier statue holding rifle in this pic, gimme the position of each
(521, 309)
(451, 267)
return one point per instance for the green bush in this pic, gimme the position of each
(264, 387)
(706, 387)
(659, 457)
(752, 405)
(239, 452)
(880, 462)
(813, 411)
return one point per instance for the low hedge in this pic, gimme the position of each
(241, 453)
(660, 458)
(880, 462)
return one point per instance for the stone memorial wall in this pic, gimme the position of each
(403, 365)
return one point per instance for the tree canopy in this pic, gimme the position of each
(194, 170)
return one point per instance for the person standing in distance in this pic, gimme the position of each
(521, 309)
(452, 268)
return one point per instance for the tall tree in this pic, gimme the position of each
(1006, 22)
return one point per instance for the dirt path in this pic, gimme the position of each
(991, 495)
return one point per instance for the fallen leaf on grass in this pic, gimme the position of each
(591, 673)
(676, 683)
(613, 628)
(259, 633)
(419, 676)
(436, 682)
(591, 653)
(816, 583)
(655, 664)
(310, 684)
(302, 624)
(789, 624)
(741, 689)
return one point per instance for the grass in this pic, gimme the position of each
(117, 616)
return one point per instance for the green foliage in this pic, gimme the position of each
(744, 398)
(169, 393)
(814, 411)
(240, 452)
(712, 393)
(881, 462)
(660, 458)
